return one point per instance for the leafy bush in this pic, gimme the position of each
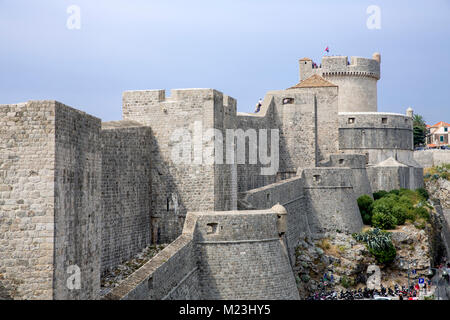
(365, 204)
(379, 244)
(379, 194)
(423, 213)
(383, 205)
(423, 193)
(405, 201)
(385, 221)
(384, 256)
(396, 207)
(400, 212)
(395, 192)
(413, 196)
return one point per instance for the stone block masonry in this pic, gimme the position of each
(179, 187)
(356, 162)
(430, 158)
(50, 174)
(27, 199)
(126, 191)
(78, 207)
(331, 201)
(220, 255)
(290, 194)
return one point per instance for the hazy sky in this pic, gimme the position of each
(243, 48)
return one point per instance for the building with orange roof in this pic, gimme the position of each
(438, 134)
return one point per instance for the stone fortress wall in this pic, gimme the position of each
(290, 194)
(220, 255)
(181, 187)
(126, 190)
(117, 186)
(430, 158)
(27, 161)
(387, 141)
(50, 200)
(356, 162)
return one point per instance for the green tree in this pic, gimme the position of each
(365, 204)
(419, 130)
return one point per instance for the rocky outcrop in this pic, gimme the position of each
(439, 189)
(345, 263)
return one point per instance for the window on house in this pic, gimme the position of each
(445, 129)
(441, 138)
(384, 120)
(351, 120)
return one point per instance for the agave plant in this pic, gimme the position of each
(375, 239)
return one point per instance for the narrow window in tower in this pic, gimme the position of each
(341, 161)
(316, 178)
(168, 203)
(211, 228)
(351, 120)
(384, 120)
(150, 284)
(288, 100)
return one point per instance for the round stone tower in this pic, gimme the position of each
(357, 80)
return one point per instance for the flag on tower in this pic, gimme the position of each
(327, 49)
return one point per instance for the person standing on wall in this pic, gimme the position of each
(258, 106)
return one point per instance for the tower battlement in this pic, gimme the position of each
(159, 95)
(342, 66)
(356, 78)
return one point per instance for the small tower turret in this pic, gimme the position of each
(410, 112)
(377, 56)
(306, 68)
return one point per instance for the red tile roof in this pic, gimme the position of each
(313, 82)
(441, 124)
